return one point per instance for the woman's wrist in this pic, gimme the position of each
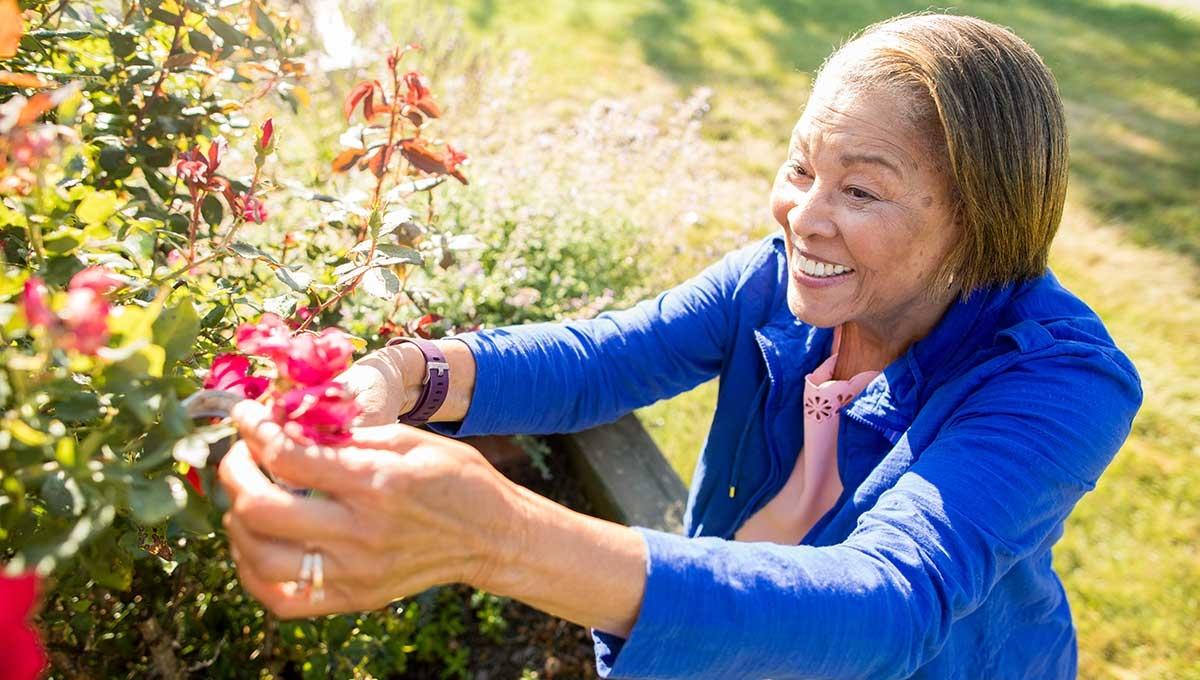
(580, 568)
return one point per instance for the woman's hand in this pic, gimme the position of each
(386, 383)
(402, 510)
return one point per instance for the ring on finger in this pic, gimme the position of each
(317, 592)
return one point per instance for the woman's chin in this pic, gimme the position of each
(813, 312)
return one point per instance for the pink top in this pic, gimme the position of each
(814, 485)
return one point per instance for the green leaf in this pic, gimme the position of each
(109, 564)
(155, 500)
(62, 496)
(200, 42)
(175, 330)
(246, 250)
(212, 210)
(97, 207)
(282, 306)
(264, 22)
(390, 254)
(228, 33)
(382, 283)
(296, 279)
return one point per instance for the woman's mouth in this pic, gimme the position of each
(817, 273)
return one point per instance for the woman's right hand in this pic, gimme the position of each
(386, 383)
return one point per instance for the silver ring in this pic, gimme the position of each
(317, 592)
(306, 568)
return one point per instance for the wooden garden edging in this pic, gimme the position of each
(625, 476)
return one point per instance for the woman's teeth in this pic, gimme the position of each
(819, 269)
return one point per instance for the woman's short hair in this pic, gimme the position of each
(994, 115)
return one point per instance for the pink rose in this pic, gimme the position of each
(85, 317)
(231, 372)
(21, 653)
(35, 300)
(96, 278)
(269, 337)
(324, 412)
(316, 358)
(252, 209)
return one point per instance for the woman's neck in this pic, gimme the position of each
(870, 345)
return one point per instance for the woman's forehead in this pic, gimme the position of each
(879, 120)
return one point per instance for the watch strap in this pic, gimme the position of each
(435, 385)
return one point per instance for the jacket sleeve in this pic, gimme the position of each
(561, 377)
(991, 489)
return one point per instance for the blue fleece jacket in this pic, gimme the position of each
(959, 464)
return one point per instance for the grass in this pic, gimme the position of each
(1129, 245)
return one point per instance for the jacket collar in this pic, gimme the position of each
(792, 349)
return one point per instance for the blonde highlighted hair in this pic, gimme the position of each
(994, 114)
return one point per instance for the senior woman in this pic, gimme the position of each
(910, 406)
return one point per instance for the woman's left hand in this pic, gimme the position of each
(401, 510)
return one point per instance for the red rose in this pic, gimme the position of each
(231, 372)
(269, 337)
(324, 412)
(21, 654)
(316, 358)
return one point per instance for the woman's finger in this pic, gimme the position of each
(286, 600)
(274, 512)
(278, 560)
(392, 437)
(336, 470)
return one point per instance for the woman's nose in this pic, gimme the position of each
(810, 213)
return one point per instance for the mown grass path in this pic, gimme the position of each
(1130, 243)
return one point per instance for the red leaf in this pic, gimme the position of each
(361, 90)
(23, 80)
(346, 159)
(12, 25)
(379, 162)
(422, 157)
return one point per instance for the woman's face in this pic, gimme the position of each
(866, 212)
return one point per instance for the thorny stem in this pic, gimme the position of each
(393, 120)
(193, 226)
(156, 91)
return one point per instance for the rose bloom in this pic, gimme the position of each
(35, 301)
(231, 372)
(316, 358)
(270, 337)
(252, 209)
(85, 318)
(324, 412)
(21, 654)
(96, 278)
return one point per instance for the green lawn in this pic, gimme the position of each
(1130, 243)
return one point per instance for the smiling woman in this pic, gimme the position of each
(910, 406)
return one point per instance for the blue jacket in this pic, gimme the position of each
(959, 463)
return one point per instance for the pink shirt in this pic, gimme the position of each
(814, 485)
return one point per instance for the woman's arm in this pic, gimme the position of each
(562, 377)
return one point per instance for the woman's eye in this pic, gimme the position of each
(796, 170)
(860, 194)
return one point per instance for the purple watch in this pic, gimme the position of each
(434, 387)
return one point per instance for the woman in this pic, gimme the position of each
(910, 406)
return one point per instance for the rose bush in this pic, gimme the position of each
(129, 171)
(153, 243)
